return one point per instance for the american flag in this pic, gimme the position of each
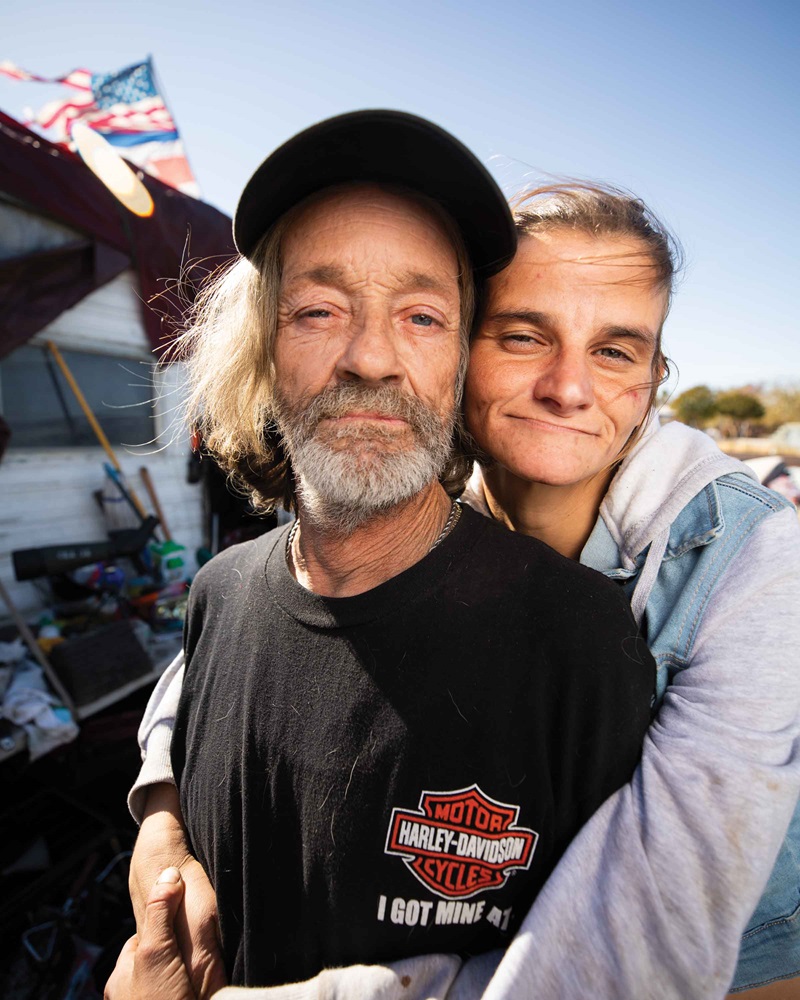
(126, 109)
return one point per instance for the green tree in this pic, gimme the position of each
(782, 405)
(741, 407)
(695, 406)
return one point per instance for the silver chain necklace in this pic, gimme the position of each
(449, 524)
(452, 520)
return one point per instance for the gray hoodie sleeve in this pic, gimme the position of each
(155, 736)
(651, 898)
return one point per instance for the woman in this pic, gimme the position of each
(564, 369)
(565, 365)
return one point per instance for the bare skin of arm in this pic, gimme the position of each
(162, 844)
(786, 989)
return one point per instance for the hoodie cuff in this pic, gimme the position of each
(156, 768)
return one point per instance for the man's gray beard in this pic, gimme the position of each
(341, 489)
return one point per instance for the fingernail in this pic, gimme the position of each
(169, 875)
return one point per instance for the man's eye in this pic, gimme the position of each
(422, 319)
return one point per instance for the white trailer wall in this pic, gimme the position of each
(46, 494)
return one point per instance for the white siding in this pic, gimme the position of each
(109, 321)
(46, 494)
(23, 231)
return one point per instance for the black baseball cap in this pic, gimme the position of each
(385, 147)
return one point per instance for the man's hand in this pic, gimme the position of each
(161, 844)
(150, 964)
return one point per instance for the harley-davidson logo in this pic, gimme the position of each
(461, 843)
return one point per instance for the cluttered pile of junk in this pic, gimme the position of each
(105, 515)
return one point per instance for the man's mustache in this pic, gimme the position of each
(348, 397)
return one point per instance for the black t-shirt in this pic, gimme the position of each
(395, 773)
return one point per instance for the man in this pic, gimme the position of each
(392, 722)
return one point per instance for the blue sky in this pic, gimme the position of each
(693, 105)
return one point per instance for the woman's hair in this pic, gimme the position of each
(603, 211)
(229, 346)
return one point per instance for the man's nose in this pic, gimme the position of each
(371, 353)
(567, 383)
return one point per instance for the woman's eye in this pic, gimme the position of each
(614, 354)
(513, 340)
(422, 319)
(315, 314)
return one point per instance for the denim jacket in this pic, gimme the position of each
(702, 539)
(692, 555)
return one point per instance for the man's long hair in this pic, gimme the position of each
(229, 348)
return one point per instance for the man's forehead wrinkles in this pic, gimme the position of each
(405, 280)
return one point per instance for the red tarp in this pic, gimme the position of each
(37, 287)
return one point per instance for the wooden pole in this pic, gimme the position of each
(144, 472)
(98, 430)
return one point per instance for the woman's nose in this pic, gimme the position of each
(566, 384)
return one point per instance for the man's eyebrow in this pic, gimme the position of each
(324, 274)
(421, 281)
